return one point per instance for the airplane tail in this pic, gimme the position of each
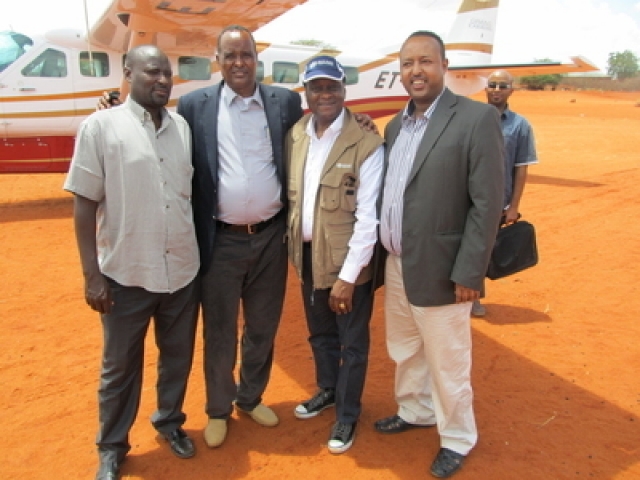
(470, 40)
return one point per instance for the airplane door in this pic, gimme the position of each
(40, 99)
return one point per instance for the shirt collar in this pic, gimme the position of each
(229, 96)
(141, 114)
(334, 128)
(409, 109)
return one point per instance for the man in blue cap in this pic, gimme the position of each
(334, 171)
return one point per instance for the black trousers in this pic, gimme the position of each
(340, 343)
(124, 329)
(248, 270)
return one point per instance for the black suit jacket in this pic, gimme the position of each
(200, 109)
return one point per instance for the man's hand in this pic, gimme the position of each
(366, 122)
(108, 100)
(97, 294)
(340, 299)
(465, 294)
(510, 216)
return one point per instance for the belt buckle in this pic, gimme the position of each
(251, 229)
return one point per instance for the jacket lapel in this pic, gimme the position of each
(437, 123)
(208, 127)
(272, 112)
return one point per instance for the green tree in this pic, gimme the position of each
(540, 82)
(622, 65)
(310, 42)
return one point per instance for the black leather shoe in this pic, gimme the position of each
(395, 424)
(180, 443)
(447, 463)
(107, 471)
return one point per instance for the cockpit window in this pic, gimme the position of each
(50, 63)
(12, 46)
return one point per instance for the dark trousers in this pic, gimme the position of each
(124, 329)
(252, 269)
(340, 343)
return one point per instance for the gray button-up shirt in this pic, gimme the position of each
(141, 179)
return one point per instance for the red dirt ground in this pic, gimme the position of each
(556, 359)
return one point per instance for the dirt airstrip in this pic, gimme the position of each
(556, 359)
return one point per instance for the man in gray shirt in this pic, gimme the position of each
(131, 175)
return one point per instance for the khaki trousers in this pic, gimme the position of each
(431, 347)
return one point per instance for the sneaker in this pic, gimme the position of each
(323, 399)
(342, 435)
(477, 309)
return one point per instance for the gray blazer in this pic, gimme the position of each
(452, 201)
(283, 108)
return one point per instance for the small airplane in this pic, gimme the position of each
(49, 84)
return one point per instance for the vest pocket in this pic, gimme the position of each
(338, 238)
(329, 196)
(339, 191)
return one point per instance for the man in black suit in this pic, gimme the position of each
(238, 128)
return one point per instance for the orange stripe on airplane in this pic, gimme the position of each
(60, 96)
(471, 47)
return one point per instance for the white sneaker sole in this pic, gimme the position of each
(336, 449)
(305, 415)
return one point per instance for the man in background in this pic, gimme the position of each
(519, 152)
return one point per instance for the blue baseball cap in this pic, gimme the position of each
(323, 67)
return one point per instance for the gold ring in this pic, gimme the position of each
(342, 305)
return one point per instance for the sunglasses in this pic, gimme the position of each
(500, 86)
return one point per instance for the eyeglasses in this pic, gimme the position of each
(499, 86)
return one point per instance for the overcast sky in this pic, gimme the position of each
(526, 30)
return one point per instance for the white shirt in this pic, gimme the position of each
(249, 188)
(364, 234)
(141, 179)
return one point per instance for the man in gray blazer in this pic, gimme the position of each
(440, 209)
(238, 129)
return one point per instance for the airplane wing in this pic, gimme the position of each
(180, 26)
(577, 64)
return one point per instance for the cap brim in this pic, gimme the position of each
(323, 75)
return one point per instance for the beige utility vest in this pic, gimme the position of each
(335, 205)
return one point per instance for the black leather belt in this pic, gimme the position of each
(249, 229)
